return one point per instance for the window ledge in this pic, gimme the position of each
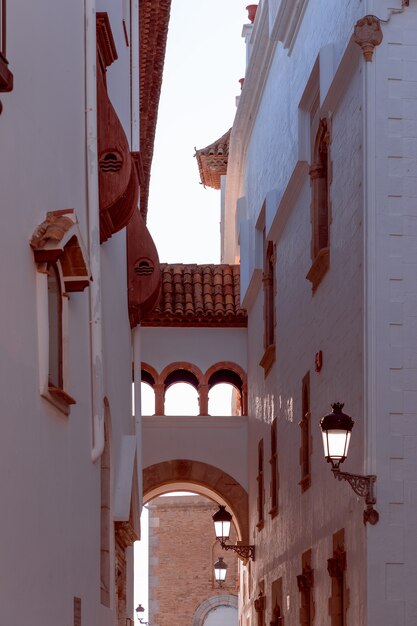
(268, 359)
(6, 77)
(319, 268)
(59, 398)
(305, 483)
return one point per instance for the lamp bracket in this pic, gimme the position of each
(244, 552)
(363, 486)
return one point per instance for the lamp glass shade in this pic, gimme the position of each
(336, 432)
(336, 445)
(220, 570)
(222, 520)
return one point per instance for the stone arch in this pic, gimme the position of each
(210, 604)
(228, 372)
(204, 479)
(194, 373)
(149, 374)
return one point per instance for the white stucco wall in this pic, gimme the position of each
(201, 346)
(50, 548)
(363, 314)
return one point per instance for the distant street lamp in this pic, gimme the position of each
(336, 430)
(222, 520)
(139, 609)
(220, 571)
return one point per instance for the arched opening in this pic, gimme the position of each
(222, 616)
(181, 398)
(203, 479)
(223, 399)
(226, 380)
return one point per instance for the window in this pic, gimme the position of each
(269, 306)
(336, 566)
(277, 618)
(274, 470)
(55, 375)
(260, 606)
(6, 77)
(305, 427)
(260, 479)
(320, 176)
(62, 269)
(305, 582)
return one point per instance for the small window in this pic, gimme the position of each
(6, 77)
(305, 582)
(260, 480)
(269, 306)
(274, 470)
(336, 567)
(55, 376)
(320, 176)
(305, 428)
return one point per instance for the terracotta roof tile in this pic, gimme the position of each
(212, 161)
(198, 295)
(153, 31)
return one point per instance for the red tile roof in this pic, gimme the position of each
(153, 31)
(212, 161)
(198, 295)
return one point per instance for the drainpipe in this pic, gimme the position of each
(93, 231)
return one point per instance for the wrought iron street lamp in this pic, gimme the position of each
(222, 521)
(220, 571)
(336, 430)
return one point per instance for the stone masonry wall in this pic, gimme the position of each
(182, 551)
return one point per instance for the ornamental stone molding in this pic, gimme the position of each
(367, 35)
(210, 604)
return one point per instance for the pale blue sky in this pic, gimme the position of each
(204, 62)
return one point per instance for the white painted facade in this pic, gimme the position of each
(49, 461)
(362, 315)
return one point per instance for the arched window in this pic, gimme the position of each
(181, 398)
(320, 175)
(226, 389)
(223, 400)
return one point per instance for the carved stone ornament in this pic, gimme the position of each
(306, 579)
(368, 34)
(260, 603)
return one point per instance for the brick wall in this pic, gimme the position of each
(182, 551)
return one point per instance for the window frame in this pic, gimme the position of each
(269, 283)
(305, 431)
(57, 243)
(320, 177)
(260, 481)
(274, 485)
(6, 77)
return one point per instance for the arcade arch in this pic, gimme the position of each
(201, 478)
(185, 372)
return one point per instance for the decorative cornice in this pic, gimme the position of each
(105, 43)
(367, 35)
